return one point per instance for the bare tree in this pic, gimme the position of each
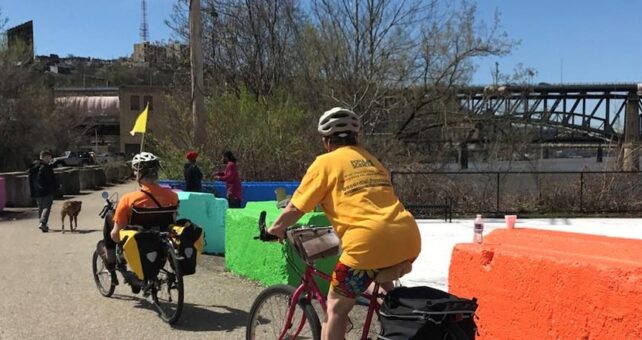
(25, 101)
(247, 43)
(396, 62)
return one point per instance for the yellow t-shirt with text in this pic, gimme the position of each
(356, 194)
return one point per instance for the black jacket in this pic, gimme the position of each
(193, 177)
(42, 180)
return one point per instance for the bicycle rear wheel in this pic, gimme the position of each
(269, 313)
(167, 291)
(105, 279)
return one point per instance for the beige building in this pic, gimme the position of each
(149, 53)
(133, 100)
(110, 113)
(96, 115)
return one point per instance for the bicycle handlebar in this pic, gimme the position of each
(263, 234)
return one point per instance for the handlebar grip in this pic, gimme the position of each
(263, 234)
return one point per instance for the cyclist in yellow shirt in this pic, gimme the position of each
(355, 192)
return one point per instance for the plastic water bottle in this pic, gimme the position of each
(479, 230)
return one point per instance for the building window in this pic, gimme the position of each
(135, 103)
(150, 100)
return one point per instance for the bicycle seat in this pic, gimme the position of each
(393, 273)
(149, 218)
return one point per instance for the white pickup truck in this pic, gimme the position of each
(74, 158)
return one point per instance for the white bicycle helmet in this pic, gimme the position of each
(145, 160)
(338, 119)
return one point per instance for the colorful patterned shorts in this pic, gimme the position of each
(351, 282)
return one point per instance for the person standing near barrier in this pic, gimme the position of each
(43, 186)
(232, 180)
(192, 173)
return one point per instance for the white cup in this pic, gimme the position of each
(510, 221)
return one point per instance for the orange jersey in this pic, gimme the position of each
(166, 197)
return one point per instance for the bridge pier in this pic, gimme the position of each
(463, 155)
(631, 146)
(545, 153)
(600, 154)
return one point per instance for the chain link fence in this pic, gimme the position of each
(524, 192)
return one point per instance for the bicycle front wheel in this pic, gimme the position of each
(167, 292)
(267, 319)
(104, 278)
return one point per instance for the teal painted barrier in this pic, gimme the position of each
(209, 213)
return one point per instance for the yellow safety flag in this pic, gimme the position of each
(141, 122)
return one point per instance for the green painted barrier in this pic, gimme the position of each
(266, 262)
(209, 213)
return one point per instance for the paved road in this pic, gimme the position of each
(47, 290)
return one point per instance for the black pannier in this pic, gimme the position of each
(420, 313)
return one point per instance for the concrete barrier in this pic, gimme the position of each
(111, 173)
(87, 180)
(536, 284)
(252, 191)
(266, 262)
(18, 193)
(68, 179)
(209, 213)
(72, 184)
(3, 194)
(124, 172)
(60, 180)
(100, 179)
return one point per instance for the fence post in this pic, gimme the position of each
(582, 191)
(497, 206)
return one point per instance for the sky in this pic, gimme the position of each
(88, 28)
(565, 41)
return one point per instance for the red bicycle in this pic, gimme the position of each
(284, 312)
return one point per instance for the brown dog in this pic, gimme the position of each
(71, 209)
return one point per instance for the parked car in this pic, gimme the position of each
(105, 157)
(74, 158)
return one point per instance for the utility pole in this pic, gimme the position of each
(196, 59)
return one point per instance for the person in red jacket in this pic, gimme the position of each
(232, 180)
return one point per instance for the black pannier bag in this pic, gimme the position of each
(421, 313)
(190, 241)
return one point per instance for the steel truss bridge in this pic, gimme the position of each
(602, 111)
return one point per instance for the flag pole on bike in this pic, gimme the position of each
(141, 126)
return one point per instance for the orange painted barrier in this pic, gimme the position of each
(536, 284)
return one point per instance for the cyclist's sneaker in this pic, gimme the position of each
(147, 289)
(130, 278)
